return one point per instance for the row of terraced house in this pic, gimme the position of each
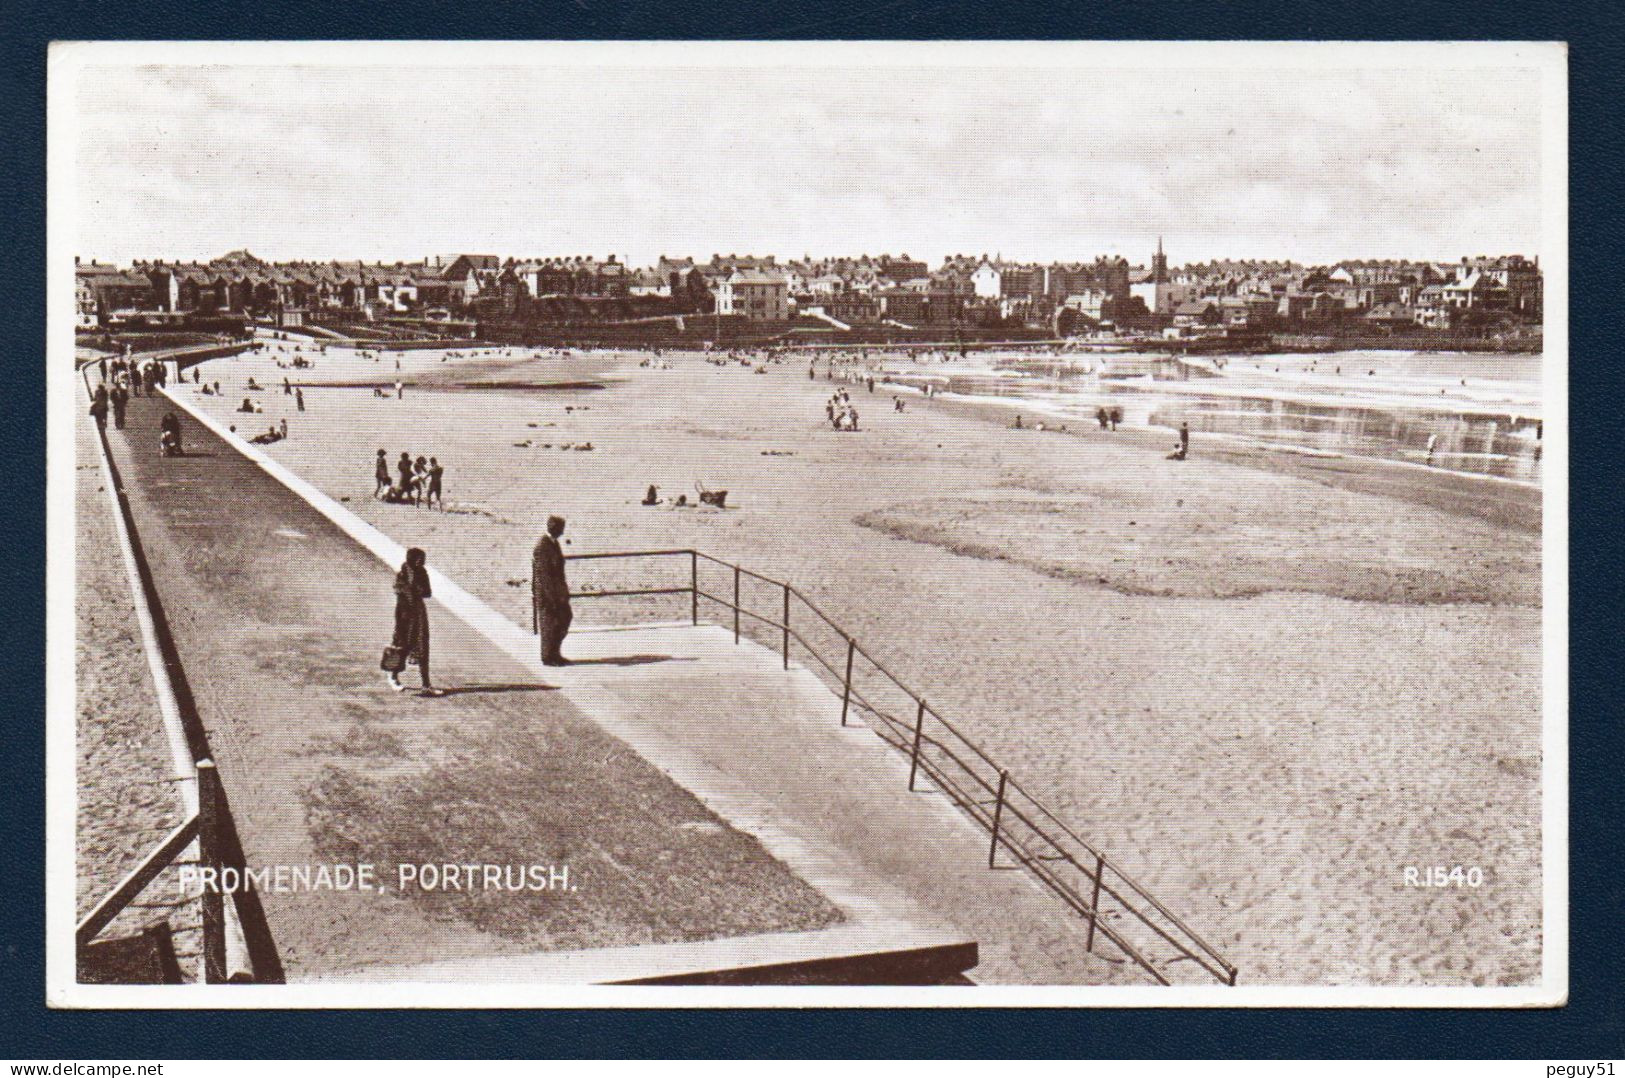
(902, 291)
(1380, 296)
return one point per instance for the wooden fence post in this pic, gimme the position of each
(736, 604)
(787, 626)
(210, 809)
(694, 585)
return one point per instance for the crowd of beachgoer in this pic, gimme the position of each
(412, 482)
(841, 412)
(123, 377)
(139, 379)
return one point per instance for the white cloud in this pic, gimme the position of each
(380, 162)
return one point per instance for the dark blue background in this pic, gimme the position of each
(1591, 1026)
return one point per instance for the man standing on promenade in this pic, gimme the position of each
(120, 398)
(1184, 440)
(549, 593)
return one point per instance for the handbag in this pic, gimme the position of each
(394, 659)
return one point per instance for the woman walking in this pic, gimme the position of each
(411, 639)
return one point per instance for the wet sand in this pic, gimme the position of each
(1263, 693)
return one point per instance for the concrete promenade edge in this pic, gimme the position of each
(763, 749)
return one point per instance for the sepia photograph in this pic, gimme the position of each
(807, 523)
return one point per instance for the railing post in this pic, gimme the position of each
(846, 690)
(694, 585)
(209, 801)
(1094, 903)
(787, 626)
(919, 726)
(736, 604)
(998, 810)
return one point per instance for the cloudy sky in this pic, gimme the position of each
(395, 159)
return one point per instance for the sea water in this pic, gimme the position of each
(1476, 413)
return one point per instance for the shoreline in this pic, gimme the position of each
(1514, 503)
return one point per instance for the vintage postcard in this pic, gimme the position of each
(763, 524)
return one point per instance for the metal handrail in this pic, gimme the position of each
(1018, 821)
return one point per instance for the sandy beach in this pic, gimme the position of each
(1263, 691)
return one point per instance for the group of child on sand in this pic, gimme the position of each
(419, 482)
(842, 415)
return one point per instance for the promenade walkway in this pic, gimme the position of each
(279, 614)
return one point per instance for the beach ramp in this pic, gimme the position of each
(675, 808)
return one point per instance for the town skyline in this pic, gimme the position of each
(1034, 164)
(873, 252)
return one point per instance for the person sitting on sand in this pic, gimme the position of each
(897, 404)
(652, 496)
(251, 383)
